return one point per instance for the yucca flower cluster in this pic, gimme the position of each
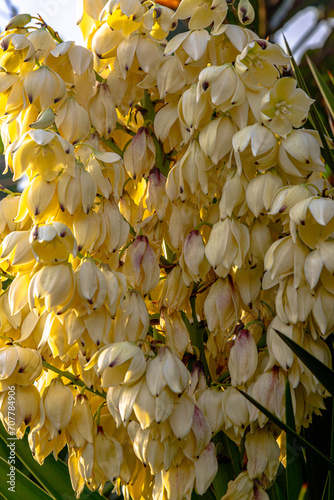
(176, 216)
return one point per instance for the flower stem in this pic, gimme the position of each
(74, 379)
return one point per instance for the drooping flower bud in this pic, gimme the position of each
(222, 86)
(44, 88)
(228, 244)
(166, 369)
(72, 121)
(18, 365)
(299, 153)
(255, 148)
(243, 358)
(141, 266)
(260, 240)
(26, 400)
(177, 335)
(90, 284)
(269, 390)
(132, 320)
(52, 243)
(119, 363)
(109, 454)
(175, 295)
(221, 306)
(58, 404)
(193, 262)
(260, 191)
(140, 155)
(46, 291)
(262, 454)
(18, 21)
(246, 12)
(244, 487)
(156, 193)
(102, 111)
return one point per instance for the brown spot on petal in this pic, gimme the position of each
(243, 11)
(262, 43)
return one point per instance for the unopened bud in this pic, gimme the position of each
(58, 405)
(18, 21)
(246, 12)
(44, 120)
(243, 358)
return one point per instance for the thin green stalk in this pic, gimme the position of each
(97, 414)
(74, 379)
(112, 145)
(203, 224)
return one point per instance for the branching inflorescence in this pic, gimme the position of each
(176, 212)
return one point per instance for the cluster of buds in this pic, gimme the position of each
(172, 197)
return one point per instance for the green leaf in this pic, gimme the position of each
(208, 495)
(24, 487)
(229, 463)
(232, 450)
(220, 482)
(323, 87)
(294, 454)
(325, 460)
(324, 374)
(196, 333)
(330, 476)
(278, 490)
(52, 476)
(148, 107)
(275, 492)
(160, 157)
